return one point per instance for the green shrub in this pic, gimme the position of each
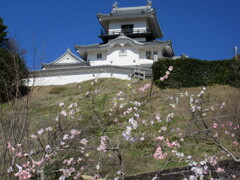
(190, 72)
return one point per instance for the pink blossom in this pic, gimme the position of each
(159, 154)
(215, 135)
(233, 176)
(230, 123)
(75, 132)
(33, 136)
(18, 154)
(66, 172)
(48, 148)
(23, 175)
(25, 154)
(160, 138)
(61, 104)
(72, 112)
(103, 145)
(164, 128)
(222, 125)
(48, 129)
(18, 145)
(69, 161)
(226, 132)
(155, 178)
(79, 160)
(212, 160)
(146, 86)
(170, 68)
(57, 119)
(63, 113)
(215, 125)
(65, 137)
(235, 143)
(26, 165)
(77, 176)
(84, 141)
(10, 147)
(158, 117)
(220, 170)
(169, 117)
(96, 91)
(173, 144)
(162, 79)
(141, 89)
(38, 163)
(40, 131)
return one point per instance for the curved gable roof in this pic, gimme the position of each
(121, 37)
(74, 59)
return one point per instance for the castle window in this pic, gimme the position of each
(99, 56)
(127, 28)
(122, 53)
(148, 54)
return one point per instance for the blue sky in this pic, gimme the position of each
(204, 29)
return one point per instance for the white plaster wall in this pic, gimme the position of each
(92, 57)
(142, 55)
(134, 56)
(66, 59)
(115, 26)
(68, 79)
(131, 58)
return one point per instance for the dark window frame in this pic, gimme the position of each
(99, 55)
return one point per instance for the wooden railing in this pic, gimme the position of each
(125, 31)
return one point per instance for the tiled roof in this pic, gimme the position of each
(157, 43)
(89, 69)
(132, 13)
(122, 37)
(128, 12)
(92, 46)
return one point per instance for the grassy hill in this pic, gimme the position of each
(96, 101)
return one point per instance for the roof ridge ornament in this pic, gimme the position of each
(115, 5)
(149, 3)
(122, 34)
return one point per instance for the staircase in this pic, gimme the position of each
(138, 74)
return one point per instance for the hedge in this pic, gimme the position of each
(190, 72)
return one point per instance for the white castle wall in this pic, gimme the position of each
(117, 55)
(68, 79)
(120, 56)
(133, 56)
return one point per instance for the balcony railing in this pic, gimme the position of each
(125, 31)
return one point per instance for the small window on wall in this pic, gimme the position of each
(148, 54)
(155, 53)
(122, 53)
(99, 56)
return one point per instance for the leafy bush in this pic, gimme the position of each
(190, 72)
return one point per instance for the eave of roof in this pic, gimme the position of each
(132, 13)
(81, 48)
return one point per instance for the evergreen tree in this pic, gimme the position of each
(3, 33)
(13, 70)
